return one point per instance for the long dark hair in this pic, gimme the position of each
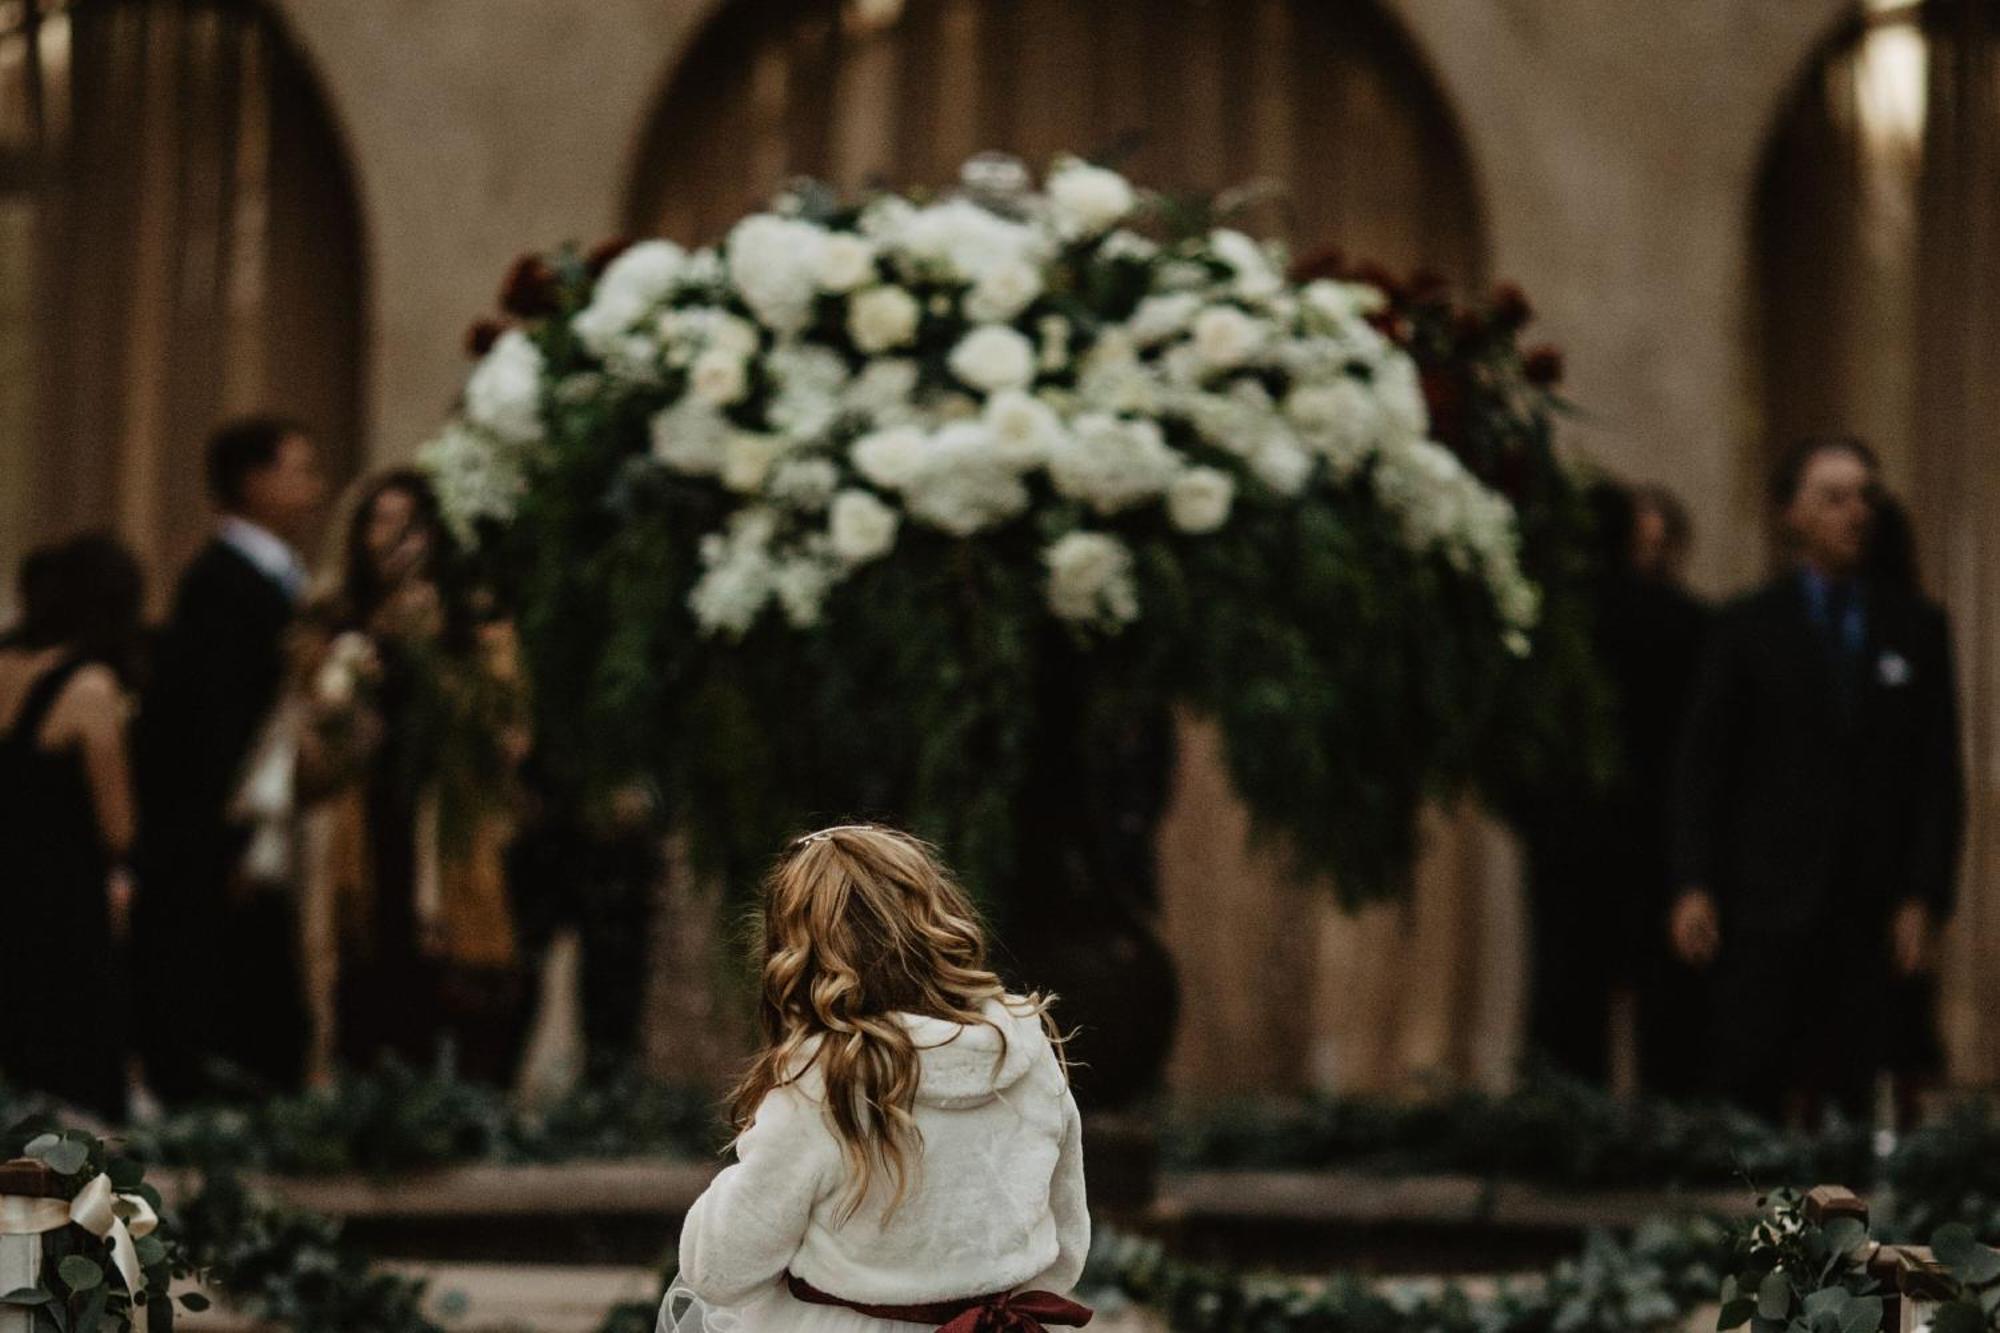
(84, 595)
(362, 588)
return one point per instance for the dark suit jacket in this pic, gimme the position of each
(1786, 807)
(216, 675)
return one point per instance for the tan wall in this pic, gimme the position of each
(1615, 145)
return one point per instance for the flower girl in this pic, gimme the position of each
(908, 1153)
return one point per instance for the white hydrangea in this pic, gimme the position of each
(1341, 420)
(476, 478)
(739, 575)
(860, 527)
(690, 436)
(809, 381)
(1112, 463)
(1401, 394)
(504, 394)
(1327, 305)
(1090, 580)
(1279, 463)
(846, 262)
(964, 485)
(1114, 379)
(1198, 501)
(1086, 200)
(774, 265)
(957, 240)
(687, 331)
(802, 581)
(882, 318)
(631, 287)
(993, 357)
(1128, 245)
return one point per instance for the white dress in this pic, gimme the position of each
(995, 1204)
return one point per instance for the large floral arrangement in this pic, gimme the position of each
(931, 509)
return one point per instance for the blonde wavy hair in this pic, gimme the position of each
(860, 923)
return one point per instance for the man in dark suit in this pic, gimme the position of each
(1819, 802)
(217, 960)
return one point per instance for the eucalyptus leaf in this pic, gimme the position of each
(65, 1158)
(1958, 1317)
(80, 1273)
(1774, 1296)
(1827, 1300)
(1844, 1235)
(1863, 1314)
(28, 1296)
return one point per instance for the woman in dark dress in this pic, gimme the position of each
(66, 824)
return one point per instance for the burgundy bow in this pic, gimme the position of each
(1007, 1312)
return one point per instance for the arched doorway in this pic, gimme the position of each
(1877, 312)
(179, 242)
(1332, 108)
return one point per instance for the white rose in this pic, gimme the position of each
(846, 261)
(890, 458)
(881, 392)
(505, 392)
(1198, 500)
(718, 378)
(1225, 337)
(881, 318)
(993, 357)
(965, 484)
(1159, 318)
(774, 264)
(1003, 291)
(1340, 419)
(747, 460)
(477, 478)
(1281, 465)
(861, 527)
(1086, 199)
(631, 285)
(1090, 580)
(1025, 430)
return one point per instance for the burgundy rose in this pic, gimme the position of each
(1511, 310)
(531, 290)
(1444, 395)
(1543, 366)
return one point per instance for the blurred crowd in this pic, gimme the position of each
(289, 830)
(273, 836)
(1749, 907)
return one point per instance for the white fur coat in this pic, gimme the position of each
(996, 1203)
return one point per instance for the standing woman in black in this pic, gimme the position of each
(66, 823)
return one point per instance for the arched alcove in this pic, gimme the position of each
(1876, 312)
(1330, 103)
(179, 242)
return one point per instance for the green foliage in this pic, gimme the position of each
(1552, 1129)
(1794, 1275)
(1949, 1173)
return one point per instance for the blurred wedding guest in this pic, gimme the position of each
(1916, 1056)
(218, 966)
(415, 728)
(1597, 859)
(1662, 535)
(1819, 802)
(66, 823)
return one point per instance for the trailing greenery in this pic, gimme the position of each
(401, 1119)
(1346, 621)
(1552, 1129)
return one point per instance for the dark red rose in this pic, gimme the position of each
(1429, 287)
(603, 253)
(1511, 310)
(1467, 328)
(1444, 395)
(479, 339)
(1543, 366)
(530, 291)
(1377, 276)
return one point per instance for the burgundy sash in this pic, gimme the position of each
(1007, 1312)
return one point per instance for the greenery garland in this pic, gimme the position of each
(1222, 497)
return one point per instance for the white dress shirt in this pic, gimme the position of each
(269, 553)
